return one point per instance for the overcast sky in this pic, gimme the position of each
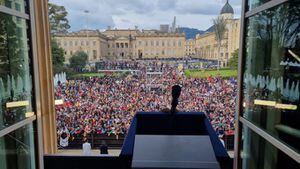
(146, 14)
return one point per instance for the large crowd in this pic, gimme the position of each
(106, 105)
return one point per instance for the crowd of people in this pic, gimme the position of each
(106, 105)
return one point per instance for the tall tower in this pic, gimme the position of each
(227, 11)
(173, 29)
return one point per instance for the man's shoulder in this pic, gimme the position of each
(86, 143)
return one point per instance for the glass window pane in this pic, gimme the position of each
(15, 77)
(18, 5)
(257, 153)
(272, 72)
(17, 149)
(255, 3)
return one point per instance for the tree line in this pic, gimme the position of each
(59, 23)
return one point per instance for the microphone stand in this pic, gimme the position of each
(173, 107)
(176, 90)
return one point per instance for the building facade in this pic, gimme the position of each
(207, 45)
(267, 135)
(92, 42)
(190, 47)
(123, 44)
(159, 45)
(120, 43)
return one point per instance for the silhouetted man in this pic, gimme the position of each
(103, 148)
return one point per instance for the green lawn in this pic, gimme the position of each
(189, 73)
(226, 73)
(88, 75)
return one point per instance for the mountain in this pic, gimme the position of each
(190, 33)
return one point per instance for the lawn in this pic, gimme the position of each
(226, 73)
(88, 75)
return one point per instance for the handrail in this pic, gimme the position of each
(288, 130)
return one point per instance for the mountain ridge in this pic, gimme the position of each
(190, 33)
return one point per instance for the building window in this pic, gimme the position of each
(122, 45)
(76, 43)
(95, 54)
(94, 43)
(65, 44)
(261, 154)
(255, 3)
(117, 45)
(15, 68)
(157, 43)
(87, 43)
(270, 87)
(146, 43)
(17, 149)
(163, 43)
(179, 43)
(126, 45)
(140, 43)
(271, 70)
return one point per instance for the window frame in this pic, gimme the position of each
(240, 121)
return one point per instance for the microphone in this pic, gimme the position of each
(176, 90)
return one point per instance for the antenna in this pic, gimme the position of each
(87, 18)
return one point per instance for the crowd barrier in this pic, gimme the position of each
(113, 142)
(96, 141)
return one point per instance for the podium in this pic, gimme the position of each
(173, 151)
(185, 140)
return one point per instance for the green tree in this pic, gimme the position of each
(219, 29)
(58, 19)
(58, 57)
(78, 61)
(234, 60)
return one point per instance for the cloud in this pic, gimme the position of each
(147, 14)
(134, 6)
(166, 4)
(196, 8)
(211, 7)
(99, 16)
